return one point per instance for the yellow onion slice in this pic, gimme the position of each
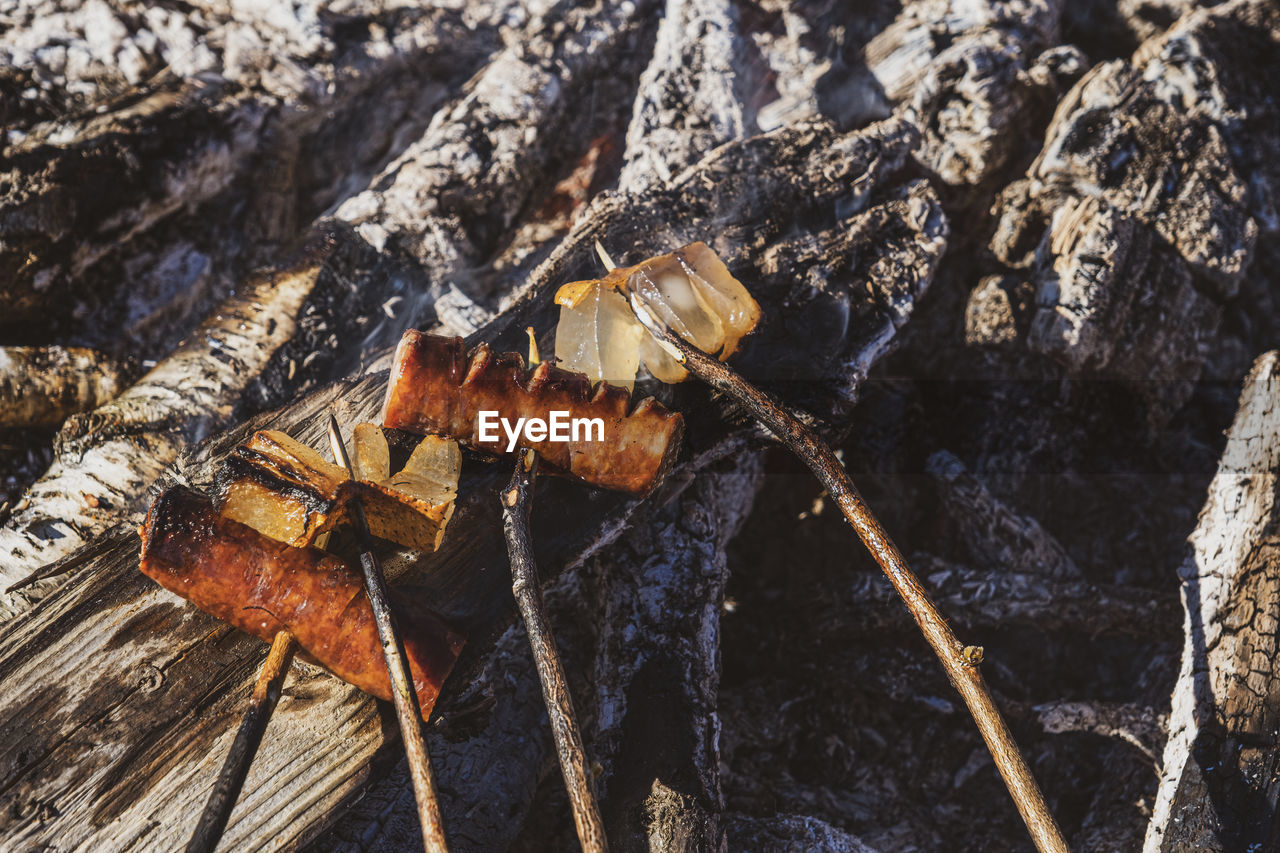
(372, 457)
(659, 362)
(431, 474)
(691, 290)
(720, 293)
(666, 290)
(599, 336)
(266, 510)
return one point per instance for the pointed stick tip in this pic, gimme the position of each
(609, 265)
(337, 446)
(534, 356)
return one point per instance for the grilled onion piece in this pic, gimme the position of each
(262, 586)
(690, 289)
(288, 491)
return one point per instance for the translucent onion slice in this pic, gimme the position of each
(372, 458)
(599, 336)
(266, 511)
(665, 288)
(431, 474)
(721, 292)
(663, 367)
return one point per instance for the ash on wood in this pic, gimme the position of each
(246, 207)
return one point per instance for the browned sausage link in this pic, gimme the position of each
(262, 586)
(435, 388)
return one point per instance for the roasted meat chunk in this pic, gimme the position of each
(437, 388)
(262, 586)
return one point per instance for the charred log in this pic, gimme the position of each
(1215, 785)
(1150, 175)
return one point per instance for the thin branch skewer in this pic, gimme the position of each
(516, 501)
(235, 767)
(959, 661)
(405, 699)
(226, 790)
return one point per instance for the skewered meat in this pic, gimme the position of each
(436, 388)
(262, 586)
(690, 289)
(288, 491)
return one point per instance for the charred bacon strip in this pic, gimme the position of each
(263, 586)
(436, 388)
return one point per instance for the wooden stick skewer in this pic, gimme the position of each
(235, 767)
(226, 790)
(516, 501)
(959, 661)
(404, 698)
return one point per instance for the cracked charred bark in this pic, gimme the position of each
(1108, 171)
(1217, 782)
(1139, 216)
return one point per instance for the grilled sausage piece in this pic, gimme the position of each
(263, 586)
(436, 388)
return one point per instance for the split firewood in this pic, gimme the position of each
(791, 832)
(42, 386)
(997, 597)
(900, 55)
(971, 76)
(128, 123)
(1216, 785)
(981, 95)
(1137, 725)
(450, 198)
(107, 458)
(995, 534)
(689, 97)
